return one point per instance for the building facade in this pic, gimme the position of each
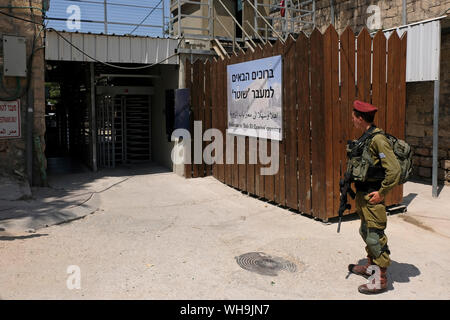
(22, 21)
(387, 14)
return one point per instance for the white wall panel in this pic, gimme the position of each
(113, 49)
(125, 49)
(77, 40)
(101, 48)
(89, 48)
(423, 50)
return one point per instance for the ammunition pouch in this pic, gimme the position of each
(360, 164)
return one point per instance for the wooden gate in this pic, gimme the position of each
(322, 76)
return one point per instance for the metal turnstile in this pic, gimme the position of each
(123, 125)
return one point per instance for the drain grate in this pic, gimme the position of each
(264, 264)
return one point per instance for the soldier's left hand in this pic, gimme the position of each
(375, 197)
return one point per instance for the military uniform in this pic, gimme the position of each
(382, 175)
(373, 216)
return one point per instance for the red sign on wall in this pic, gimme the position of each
(10, 119)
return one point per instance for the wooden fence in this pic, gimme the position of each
(322, 76)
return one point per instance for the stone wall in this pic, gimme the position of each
(13, 152)
(419, 120)
(419, 97)
(354, 13)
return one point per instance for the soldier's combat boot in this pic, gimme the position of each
(361, 270)
(377, 285)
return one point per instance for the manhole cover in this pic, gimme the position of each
(264, 264)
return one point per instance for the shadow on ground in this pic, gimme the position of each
(12, 238)
(409, 198)
(69, 196)
(354, 216)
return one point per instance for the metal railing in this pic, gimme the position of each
(195, 19)
(293, 17)
(182, 24)
(121, 17)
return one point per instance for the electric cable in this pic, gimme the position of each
(19, 18)
(84, 53)
(109, 64)
(147, 17)
(14, 7)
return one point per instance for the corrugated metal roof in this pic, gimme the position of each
(423, 50)
(109, 48)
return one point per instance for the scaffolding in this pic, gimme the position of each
(286, 17)
(240, 20)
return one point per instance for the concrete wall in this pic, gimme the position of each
(224, 17)
(192, 10)
(161, 147)
(202, 10)
(13, 152)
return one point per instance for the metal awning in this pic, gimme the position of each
(69, 46)
(423, 56)
(423, 49)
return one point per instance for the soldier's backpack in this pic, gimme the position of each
(360, 161)
(402, 151)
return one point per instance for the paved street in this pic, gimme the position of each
(146, 233)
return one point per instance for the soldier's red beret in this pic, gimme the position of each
(364, 106)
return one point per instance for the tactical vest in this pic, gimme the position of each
(360, 164)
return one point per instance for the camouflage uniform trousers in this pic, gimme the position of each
(373, 223)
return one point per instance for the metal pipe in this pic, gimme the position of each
(107, 135)
(230, 35)
(93, 119)
(436, 125)
(332, 11)
(234, 19)
(163, 18)
(404, 17)
(314, 13)
(257, 34)
(415, 23)
(210, 20)
(103, 133)
(29, 141)
(179, 18)
(255, 18)
(435, 139)
(234, 38)
(267, 23)
(125, 129)
(286, 12)
(105, 5)
(113, 134)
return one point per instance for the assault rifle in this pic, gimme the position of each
(345, 189)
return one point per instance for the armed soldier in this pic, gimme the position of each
(375, 170)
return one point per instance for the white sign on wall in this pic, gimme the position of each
(10, 119)
(255, 98)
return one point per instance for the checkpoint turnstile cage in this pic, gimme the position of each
(123, 129)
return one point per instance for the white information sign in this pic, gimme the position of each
(255, 98)
(10, 119)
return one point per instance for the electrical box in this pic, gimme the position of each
(14, 56)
